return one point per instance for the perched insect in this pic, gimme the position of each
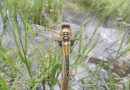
(65, 40)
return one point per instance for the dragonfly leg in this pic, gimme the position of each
(60, 42)
(72, 42)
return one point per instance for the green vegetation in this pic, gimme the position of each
(28, 66)
(108, 7)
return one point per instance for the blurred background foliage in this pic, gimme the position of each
(120, 8)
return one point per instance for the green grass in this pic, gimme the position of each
(120, 8)
(30, 65)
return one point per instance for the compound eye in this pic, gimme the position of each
(63, 26)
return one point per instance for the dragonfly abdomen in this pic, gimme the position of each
(66, 47)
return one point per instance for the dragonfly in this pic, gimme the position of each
(65, 40)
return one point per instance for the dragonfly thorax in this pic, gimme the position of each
(65, 35)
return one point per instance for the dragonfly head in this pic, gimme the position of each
(65, 31)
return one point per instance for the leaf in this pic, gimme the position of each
(29, 28)
(13, 84)
(128, 85)
(4, 85)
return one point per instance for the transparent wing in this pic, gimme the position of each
(40, 31)
(44, 36)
